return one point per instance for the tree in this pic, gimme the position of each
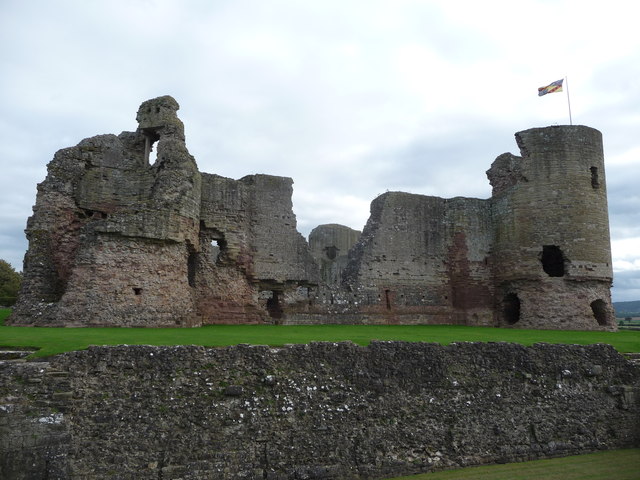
(9, 283)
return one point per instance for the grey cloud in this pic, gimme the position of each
(626, 285)
(307, 90)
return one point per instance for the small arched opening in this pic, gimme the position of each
(600, 312)
(511, 309)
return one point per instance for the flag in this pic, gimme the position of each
(551, 88)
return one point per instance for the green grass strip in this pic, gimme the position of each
(51, 341)
(615, 464)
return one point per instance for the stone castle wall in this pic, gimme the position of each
(329, 246)
(318, 411)
(116, 240)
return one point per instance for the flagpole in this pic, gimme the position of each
(566, 80)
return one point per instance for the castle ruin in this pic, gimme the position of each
(117, 241)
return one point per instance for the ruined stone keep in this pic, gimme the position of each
(115, 240)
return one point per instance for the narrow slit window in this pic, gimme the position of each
(387, 297)
(192, 264)
(595, 181)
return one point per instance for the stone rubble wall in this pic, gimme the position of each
(419, 259)
(319, 411)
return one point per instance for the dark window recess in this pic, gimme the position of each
(137, 290)
(511, 308)
(552, 260)
(599, 309)
(331, 252)
(387, 296)
(595, 182)
(192, 263)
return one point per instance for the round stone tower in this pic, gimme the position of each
(552, 252)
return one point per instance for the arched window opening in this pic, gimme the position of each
(600, 313)
(552, 260)
(511, 308)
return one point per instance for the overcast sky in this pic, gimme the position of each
(350, 98)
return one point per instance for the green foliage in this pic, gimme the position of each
(4, 313)
(630, 323)
(57, 340)
(616, 464)
(9, 283)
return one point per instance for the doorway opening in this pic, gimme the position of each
(274, 308)
(511, 308)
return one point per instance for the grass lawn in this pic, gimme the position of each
(620, 464)
(51, 341)
(613, 465)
